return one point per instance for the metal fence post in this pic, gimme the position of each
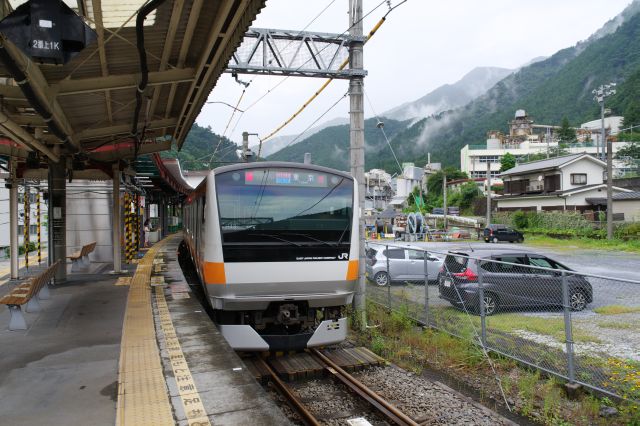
(388, 280)
(426, 287)
(567, 327)
(483, 316)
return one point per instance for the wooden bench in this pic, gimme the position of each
(80, 258)
(28, 293)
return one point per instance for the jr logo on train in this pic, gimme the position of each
(271, 242)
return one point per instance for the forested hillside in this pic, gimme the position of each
(330, 147)
(557, 87)
(197, 150)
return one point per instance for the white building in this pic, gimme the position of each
(378, 189)
(526, 139)
(560, 183)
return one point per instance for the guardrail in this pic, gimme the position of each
(584, 328)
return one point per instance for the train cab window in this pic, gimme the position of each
(305, 213)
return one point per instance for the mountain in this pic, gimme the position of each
(549, 90)
(450, 96)
(274, 145)
(330, 147)
(198, 147)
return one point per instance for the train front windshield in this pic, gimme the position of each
(279, 215)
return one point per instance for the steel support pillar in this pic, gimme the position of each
(13, 220)
(58, 217)
(117, 221)
(356, 137)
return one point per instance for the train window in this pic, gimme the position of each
(280, 206)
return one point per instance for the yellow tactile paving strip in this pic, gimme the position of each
(142, 392)
(191, 401)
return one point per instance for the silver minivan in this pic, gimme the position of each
(406, 263)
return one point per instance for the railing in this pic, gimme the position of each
(583, 328)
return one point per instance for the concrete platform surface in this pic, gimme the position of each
(74, 366)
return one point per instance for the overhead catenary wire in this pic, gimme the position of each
(329, 80)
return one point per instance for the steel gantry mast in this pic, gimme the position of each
(307, 54)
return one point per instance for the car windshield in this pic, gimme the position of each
(454, 264)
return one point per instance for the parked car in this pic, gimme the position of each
(405, 263)
(511, 284)
(495, 233)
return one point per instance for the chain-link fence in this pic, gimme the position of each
(581, 327)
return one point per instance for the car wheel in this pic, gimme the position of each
(490, 304)
(495, 240)
(577, 300)
(381, 279)
(520, 240)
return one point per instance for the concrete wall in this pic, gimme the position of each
(630, 208)
(593, 170)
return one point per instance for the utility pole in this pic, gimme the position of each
(489, 193)
(444, 199)
(356, 137)
(600, 94)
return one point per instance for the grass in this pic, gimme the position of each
(615, 325)
(510, 322)
(397, 339)
(616, 310)
(632, 246)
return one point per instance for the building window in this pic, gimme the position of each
(578, 178)
(489, 158)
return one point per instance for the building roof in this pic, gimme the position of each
(621, 196)
(549, 163)
(92, 98)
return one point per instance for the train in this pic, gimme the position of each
(276, 248)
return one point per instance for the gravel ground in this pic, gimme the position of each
(426, 401)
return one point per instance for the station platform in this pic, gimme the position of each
(134, 349)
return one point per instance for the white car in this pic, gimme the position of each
(406, 263)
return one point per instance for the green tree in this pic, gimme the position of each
(468, 192)
(508, 161)
(566, 133)
(632, 150)
(631, 116)
(434, 183)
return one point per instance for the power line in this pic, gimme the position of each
(341, 67)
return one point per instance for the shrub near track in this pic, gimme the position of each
(396, 337)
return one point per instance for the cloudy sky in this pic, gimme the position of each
(422, 45)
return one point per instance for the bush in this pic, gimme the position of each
(32, 247)
(520, 219)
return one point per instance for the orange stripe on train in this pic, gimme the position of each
(352, 270)
(214, 273)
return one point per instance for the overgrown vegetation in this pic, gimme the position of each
(530, 393)
(32, 247)
(571, 225)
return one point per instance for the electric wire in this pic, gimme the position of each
(340, 68)
(285, 47)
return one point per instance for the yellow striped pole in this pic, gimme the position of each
(137, 225)
(27, 207)
(127, 252)
(39, 226)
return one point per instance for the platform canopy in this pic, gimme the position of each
(87, 106)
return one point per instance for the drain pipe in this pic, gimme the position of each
(19, 76)
(144, 68)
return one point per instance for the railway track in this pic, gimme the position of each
(383, 408)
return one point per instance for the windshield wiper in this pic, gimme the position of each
(275, 237)
(309, 237)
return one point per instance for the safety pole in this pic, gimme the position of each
(137, 219)
(127, 217)
(27, 208)
(39, 226)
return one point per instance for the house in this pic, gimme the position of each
(560, 183)
(626, 205)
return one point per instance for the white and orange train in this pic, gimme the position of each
(276, 248)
